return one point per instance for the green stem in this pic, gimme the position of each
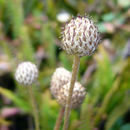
(34, 107)
(59, 119)
(72, 82)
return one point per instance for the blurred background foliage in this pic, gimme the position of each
(30, 30)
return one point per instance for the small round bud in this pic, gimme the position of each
(80, 37)
(60, 77)
(77, 97)
(26, 73)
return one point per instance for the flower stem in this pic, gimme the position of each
(72, 82)
(59, 119)
(34, 107)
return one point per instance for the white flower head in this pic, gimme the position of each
(60, 77)
(80, 36)
(77, 97)
(26, 73)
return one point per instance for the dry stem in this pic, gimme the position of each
(72, 82)
(59, 119)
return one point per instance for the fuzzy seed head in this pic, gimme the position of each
(60, 77)
(26, 73)
(77, 97)
(80, 37)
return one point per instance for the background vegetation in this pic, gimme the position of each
(30, 30)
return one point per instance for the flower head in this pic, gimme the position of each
(77, 97)
(60, 85)
(26, 73)
(80, 37)
(60, 77)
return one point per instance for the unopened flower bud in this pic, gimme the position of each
(60, 77)
(26, 73)
(77, 97)
(80, 37)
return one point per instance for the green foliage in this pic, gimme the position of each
(125, 127)
(118, 111)
(26, 47)
(15, 17)
(30, 30)
(17, 100)
(49, 43)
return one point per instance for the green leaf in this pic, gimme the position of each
(125, 127)
(14, 12)
(49, 42)
(104, 76)
(119, 110)
(102, 27)
(109, 17)
(26, 49)
(18, 101)
(66, 60)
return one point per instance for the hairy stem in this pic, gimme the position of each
(72, 82)
(59, 119)
(34, 107)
